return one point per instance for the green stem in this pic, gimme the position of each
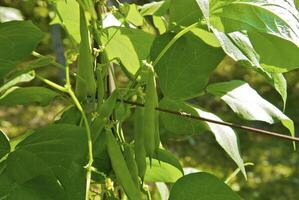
(68, 89)
(228, 179)
(173, 40)
(52, 84)
(89, 138)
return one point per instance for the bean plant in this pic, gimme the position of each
(166, 51)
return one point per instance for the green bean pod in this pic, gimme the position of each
(131, 163)
(85, 82)
(140, 154)
(150, 114)
(120, 168)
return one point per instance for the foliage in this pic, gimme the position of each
(168, 57)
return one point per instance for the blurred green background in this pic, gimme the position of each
(275, 175)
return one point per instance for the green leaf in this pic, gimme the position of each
(246, 102)
(4, 145)
(269, 16)
(49, 164)
(23, 78)
(178, 125)
(18, 39)
(185, 68)
(276, 54)
(201, 186)
(132, 15)
(5, 67)
(164, 168)
(184, 12)
(70, 116)
(156, 8)
(68, 16)
(28, 95)
(134, 44)
(225, 136)
(238, 46)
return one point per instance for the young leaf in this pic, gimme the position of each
(134, 44)
(245, 101)
(185, 68)
(201, 186)
(28, 95)
(4, 145)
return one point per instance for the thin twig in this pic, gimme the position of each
(232, 125)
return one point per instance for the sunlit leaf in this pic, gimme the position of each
(131, 46)
(246, 102)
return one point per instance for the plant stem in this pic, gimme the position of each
(89, 138)
(68, 89)
(173, 40)
(228, 179)
(52, 84)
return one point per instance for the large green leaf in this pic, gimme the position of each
(276, 54)
(225, 136)
(4, 145)
(238, 46)
(5, 67)
(164, 167)
(48, 164)
(184, 12)
(18, 39)
(201, 186)
(176, 124)
(130, 46)
(27, 95)
(248, 103)
(274, 17)
(185, 68)
(68, 17)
